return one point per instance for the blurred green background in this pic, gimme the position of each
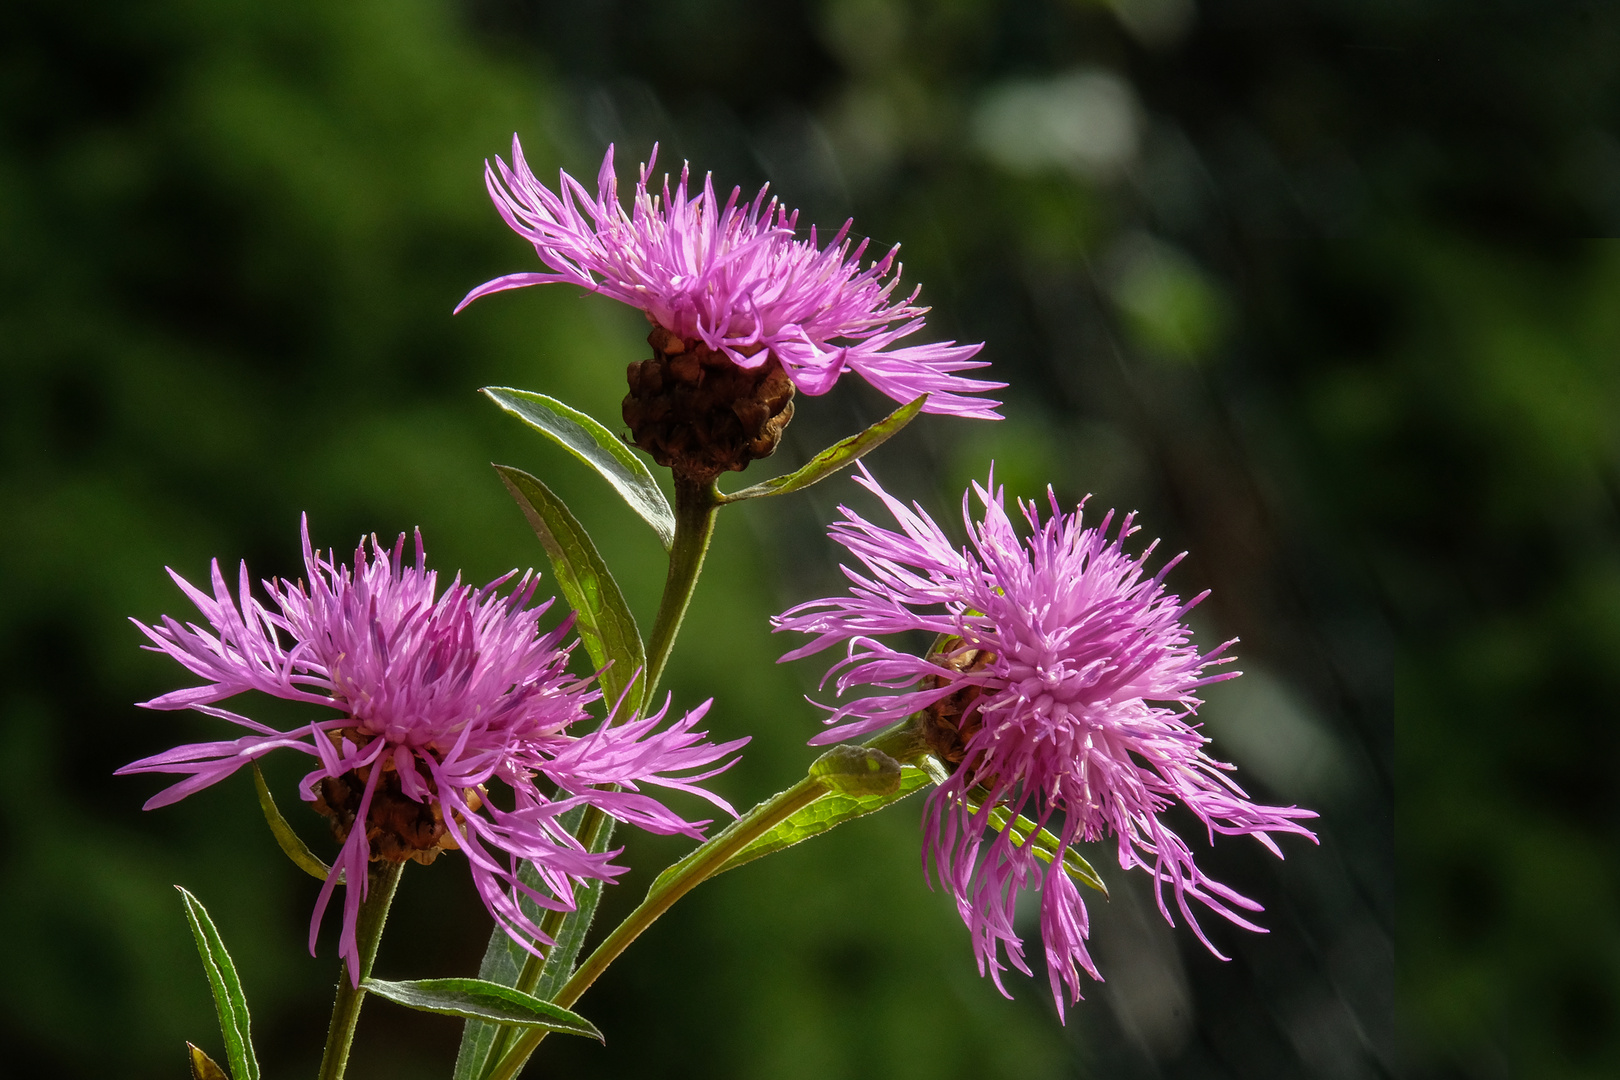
(1301, 282)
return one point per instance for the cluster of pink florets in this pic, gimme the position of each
(1082, 698)
(733, 275)
(1066, 676)
(460, 697)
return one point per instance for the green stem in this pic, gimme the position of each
(695, 506)
(671, 885)
(596, 829)
(904, 742)
(368, 933)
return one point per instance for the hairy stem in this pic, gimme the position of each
(671, 885)
(596, 831)
(695, 506)
(368, 933)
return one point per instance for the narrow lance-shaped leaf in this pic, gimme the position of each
(502, 964)
(291, 844)
(826, 813)
(1045, 846)
(480, 1000)
(835, 457)
(597, 447)
(857, 779)
(605, 623)
(837, 807)
(562, 956)
(505, 960)
(229, 1001)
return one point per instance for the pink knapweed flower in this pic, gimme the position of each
(439, 698)
(1063, 689)
(732, 275)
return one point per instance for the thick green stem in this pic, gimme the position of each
(596, 831)
(671, 885)
(368, 933)
(695, 505)
(904, 742)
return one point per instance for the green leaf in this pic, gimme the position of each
(561, 957)
(833, 810)
(229, 1000)
(291, 845)
(1044, 846)
(605, 623)
(504, 959)
(825, 813)
(597, 447)
(835, 457)
(204, 1067)
(476, 999)
(502, 964)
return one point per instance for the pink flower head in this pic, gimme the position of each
(1065, 687)
(732, 276)
(439, 699)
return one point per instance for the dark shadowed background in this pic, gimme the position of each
(1300, 282)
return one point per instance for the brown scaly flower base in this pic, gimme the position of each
(949, 723)
(397, 827)
(698, 413)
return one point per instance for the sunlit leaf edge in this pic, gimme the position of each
(291, 844)
(604, 623)
(230, 1003)
(587, 439)
(835, 457)
(482, 1000)
(204, 1067)
(505, 960)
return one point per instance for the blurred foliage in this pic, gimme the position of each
(1296, 280)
